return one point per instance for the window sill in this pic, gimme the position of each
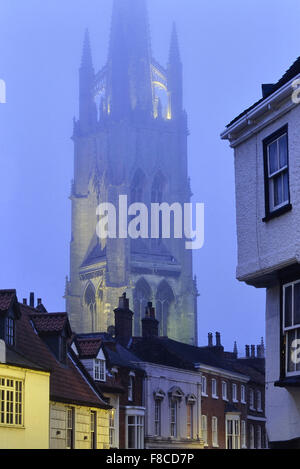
(276, 213)
(204, 395)
(215, 397)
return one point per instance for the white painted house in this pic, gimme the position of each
(266, 143)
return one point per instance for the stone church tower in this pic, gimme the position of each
(130, 139)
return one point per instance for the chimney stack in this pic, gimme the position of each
(210, 340)
(218, 339)
(39, 301)
(150, 323)
(247, 351)
(31, 301)
(24, 301)
(252, 351)
(123, 321)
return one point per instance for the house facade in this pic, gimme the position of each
(266, 144)
(47, 398)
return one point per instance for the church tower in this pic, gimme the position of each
(130, 139)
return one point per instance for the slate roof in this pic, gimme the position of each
(291, 73)
(69, 382)
(168, 352)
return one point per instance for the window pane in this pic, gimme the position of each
(283, 151)
(288, 306)
(296, 304)
(278, 189)
(285, 178)
(273, 158)
(291, 336)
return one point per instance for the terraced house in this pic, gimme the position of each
(47, 397)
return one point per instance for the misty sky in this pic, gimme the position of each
(228, 49)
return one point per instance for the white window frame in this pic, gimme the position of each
(204, 386)
(214, 389)
(252, 399)
(157, 417)
(243, 434)
(214, 432)
(204, 429)
(11, 402)
(99, 369)
(130, 387)
(295, 328)
(234, 392)
(280, 172)
(259, 401)
(235, 436)
(224, 391)
(243, 394)
(112, 428)
(70, 428)
(138, 425)
(173, 411)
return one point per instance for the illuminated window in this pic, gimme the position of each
(93, 430)
(70, 434)
(112, 429)
(214, 431)
(204, 429)
(204, 385)
(233, 433)
(130, 388)
(11, 402)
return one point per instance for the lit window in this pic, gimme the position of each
(99, 370)
(291, 326)
(204, 429)
(112, 429)
(11, 402)
(214, 431)
(233, 433)
(243, 434)
(93, 430)
(135, 432)
(70, 443)
(276, 171)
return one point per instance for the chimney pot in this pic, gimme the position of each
(123, 321)
(210, 339)
(252, 351)
(39, 301)
(218, 339)
(247, 351)
(150, 323)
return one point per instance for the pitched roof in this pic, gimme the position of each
(291, 73)
(50, 322)
(8, 298)
(168, 352)
(69, 383)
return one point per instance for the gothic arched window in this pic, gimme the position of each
(158, 188)
(137, 187)
(141, 297)
(90, 302)
(164, 301)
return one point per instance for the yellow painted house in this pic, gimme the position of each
(47, 399)
(24, 403)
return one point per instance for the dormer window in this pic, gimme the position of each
(99, 370)
(10, 331)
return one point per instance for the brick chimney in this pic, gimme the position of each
(123, 321)
(210, 339)
(247, 348)
(252, 351)
(150, 323)
(31, 300)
